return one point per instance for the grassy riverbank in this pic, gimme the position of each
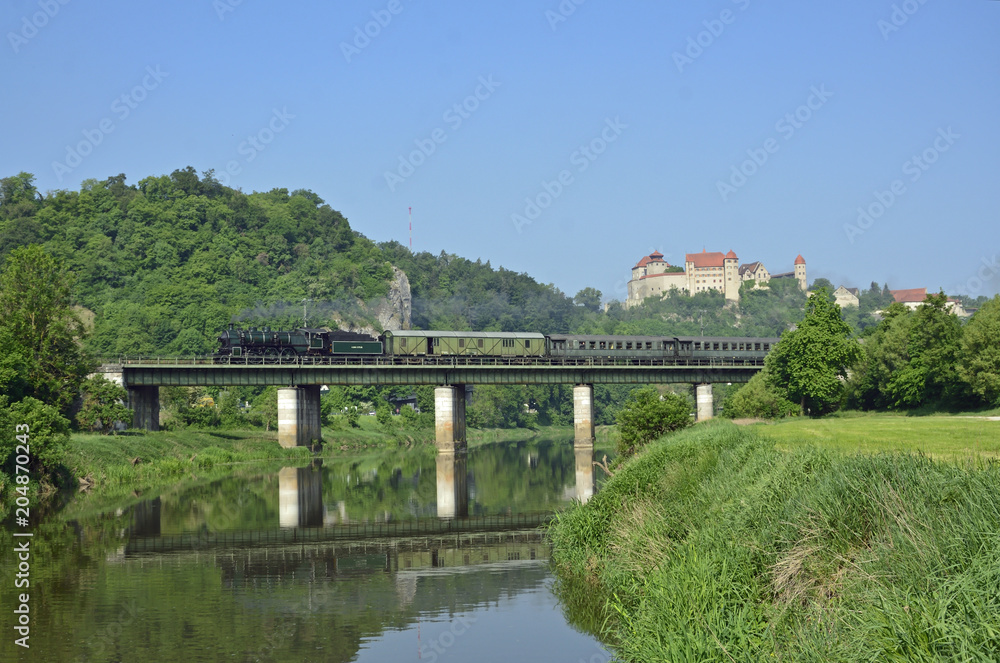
(940, 436)
(716, 545)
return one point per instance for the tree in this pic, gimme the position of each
(646, 416)
(103, 405)
(811, 362)
(979, 359)
(822, 283)
(931, 375)
(35, 309)
(589, 298)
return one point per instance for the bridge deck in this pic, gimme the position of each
(254, 371)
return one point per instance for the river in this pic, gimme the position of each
(402, 556)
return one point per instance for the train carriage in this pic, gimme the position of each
(726, 347)
(419, 343)
(592, 345)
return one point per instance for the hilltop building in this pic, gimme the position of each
(654, 276)
(847, 297)
(912, 298)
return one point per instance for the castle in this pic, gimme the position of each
(654, 276)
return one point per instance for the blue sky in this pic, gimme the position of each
(559, 139)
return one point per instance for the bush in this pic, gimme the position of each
(48, 434)
(103, 405)
(646, 416)
(758, 400)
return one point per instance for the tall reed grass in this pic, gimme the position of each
(714, 546)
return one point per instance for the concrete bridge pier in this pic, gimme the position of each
(299, 417)
(449, 418)
(145, 404)
(583, 415)
(705, 403)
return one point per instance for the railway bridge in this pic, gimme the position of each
(299, 379)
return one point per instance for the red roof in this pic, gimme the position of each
(911, 295)
(800, 260)
(655, 256)
(731, 255)
(705, 259)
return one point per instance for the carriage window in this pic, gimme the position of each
(583, 345)
(756, 346)
(604, 346)
(619, 345)
(508, 342)
(767, 346)
(725, 346)
(593, 345)
(715, 346)
(697, 345)
(461, 342)
(402, 342)
(480, 343)
(628, 345)
(527, 343)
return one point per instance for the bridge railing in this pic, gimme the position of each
(439, 362)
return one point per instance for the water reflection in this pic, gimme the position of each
(584, 473)
(360, 559)
(300, 497)
(452, 490)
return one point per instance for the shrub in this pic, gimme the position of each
(646, 416)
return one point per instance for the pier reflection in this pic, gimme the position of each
(300, 497)
(452, 486)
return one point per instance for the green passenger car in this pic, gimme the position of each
(416, 343)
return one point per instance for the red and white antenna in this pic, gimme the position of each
(411, 229)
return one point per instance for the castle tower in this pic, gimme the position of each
(731, 284)
(800, 272)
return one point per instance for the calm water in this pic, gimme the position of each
(400, 557)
